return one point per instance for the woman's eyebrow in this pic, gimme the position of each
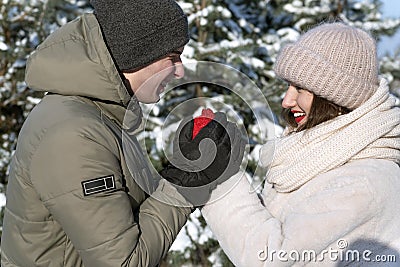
(297, 87)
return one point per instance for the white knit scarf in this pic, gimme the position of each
(370, 131)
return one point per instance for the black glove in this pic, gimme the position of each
(193, 164)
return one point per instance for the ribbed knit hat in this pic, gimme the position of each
(138, 32)
(334, 61)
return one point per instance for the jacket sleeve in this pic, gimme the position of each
(102, 227)
(248, 233)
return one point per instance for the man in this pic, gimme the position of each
(72, 199)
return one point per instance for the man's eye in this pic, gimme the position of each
(175, 58)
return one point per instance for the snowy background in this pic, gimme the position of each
(389, 44)
(243, 34)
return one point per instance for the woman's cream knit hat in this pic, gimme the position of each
(334, 61)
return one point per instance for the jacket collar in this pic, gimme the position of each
(77, 59)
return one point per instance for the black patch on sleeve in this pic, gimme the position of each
(97, 185)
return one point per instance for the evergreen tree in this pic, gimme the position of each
(390, 69)
(243, 34)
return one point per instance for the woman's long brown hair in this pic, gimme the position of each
(321, 110)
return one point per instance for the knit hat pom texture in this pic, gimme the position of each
(334, 61)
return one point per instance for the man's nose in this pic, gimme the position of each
(179, 70)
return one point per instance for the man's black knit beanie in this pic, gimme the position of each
(138, 32)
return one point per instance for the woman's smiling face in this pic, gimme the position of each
(299, 102)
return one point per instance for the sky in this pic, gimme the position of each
(391, 8)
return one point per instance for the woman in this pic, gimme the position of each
(332, 189)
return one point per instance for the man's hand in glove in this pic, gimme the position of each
(204, 158)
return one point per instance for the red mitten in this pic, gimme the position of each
(199, 122)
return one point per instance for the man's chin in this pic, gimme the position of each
(150, 100)
(161, 88)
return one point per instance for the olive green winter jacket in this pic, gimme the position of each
(72, 199)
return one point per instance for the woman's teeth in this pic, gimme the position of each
(299, 116)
